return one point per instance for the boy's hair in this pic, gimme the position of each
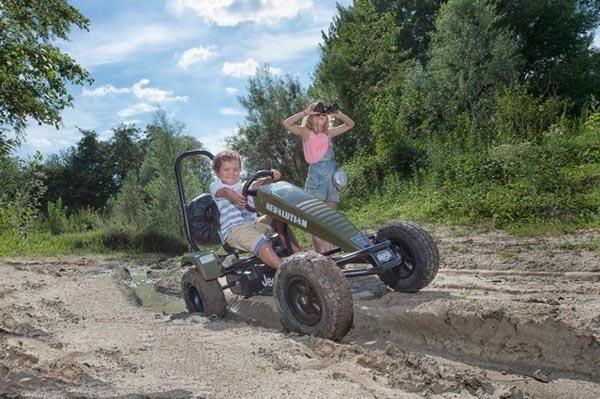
(225, 156)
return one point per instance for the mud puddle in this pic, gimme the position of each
(144, 286)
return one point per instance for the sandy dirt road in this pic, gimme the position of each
(504, 318)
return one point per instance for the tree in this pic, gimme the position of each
(165, 143)
(127, 153)
(554, 39)
(471, 58)
(82, 175)
(263, 142)
(22, 188)
(91, 163)
(33, 71)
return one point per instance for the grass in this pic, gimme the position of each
(46, 244)
(508, 256)
(368, 212)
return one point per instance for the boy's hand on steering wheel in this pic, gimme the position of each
(266, 180)
(239, 200)
(276, 174)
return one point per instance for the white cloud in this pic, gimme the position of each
(245, 69)
(131, 122)
(47, 140)
(231, 91)
(234, 12)
(240, 69)
(195, 55)
(285, 47)
(153, 94)
(216, 142)
(231, 111)
(110, 44)
(139, 108)
(44, 143)
(104, 91)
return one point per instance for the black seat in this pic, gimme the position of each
(203, 220)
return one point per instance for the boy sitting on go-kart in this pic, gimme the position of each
(240, 228)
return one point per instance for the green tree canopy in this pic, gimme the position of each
(33, 71)
(471, 58)
(165, 143)
(554, 39)
(127, 152)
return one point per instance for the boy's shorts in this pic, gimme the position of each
(319, 181)
(250, 237)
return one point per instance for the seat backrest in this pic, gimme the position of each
(203, 220)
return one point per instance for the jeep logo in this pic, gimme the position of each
(267, 281)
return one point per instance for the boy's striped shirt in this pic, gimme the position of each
(230, 215)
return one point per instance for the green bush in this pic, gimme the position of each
(365, 175)
(521, 116)
(57, 217)
(123, 239)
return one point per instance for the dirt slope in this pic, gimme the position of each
(504, 318)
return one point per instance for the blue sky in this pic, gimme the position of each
(191, 58)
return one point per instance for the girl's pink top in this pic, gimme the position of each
(315, 146)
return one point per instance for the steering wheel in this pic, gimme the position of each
(247, 191)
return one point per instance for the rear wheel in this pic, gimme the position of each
(313, 296)
(420, 256)
(202, 296)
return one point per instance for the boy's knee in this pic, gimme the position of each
(267, 254)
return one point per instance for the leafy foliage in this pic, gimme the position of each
(554, 40)
(471, 59)
(82, 176)
(57, 217)
(165, 144)
(34, 73)
(23, 187)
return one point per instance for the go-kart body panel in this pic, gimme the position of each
(206, 262)
(290, 204)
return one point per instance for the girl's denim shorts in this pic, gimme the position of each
(319, 181)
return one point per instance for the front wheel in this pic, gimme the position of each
(202, 296)
(313, 296)
(420, 256)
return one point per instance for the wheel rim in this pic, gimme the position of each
(406, 268)
(304, 301)
(196, 301)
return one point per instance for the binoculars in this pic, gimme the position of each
(325, 109)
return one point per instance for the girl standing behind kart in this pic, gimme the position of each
(316, 134)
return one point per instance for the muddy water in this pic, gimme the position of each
(144, 288)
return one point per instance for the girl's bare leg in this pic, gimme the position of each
(320, 244)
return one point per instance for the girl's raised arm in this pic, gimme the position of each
(291, 122)
(347, 124)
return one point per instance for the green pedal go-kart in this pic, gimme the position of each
(312, 294)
